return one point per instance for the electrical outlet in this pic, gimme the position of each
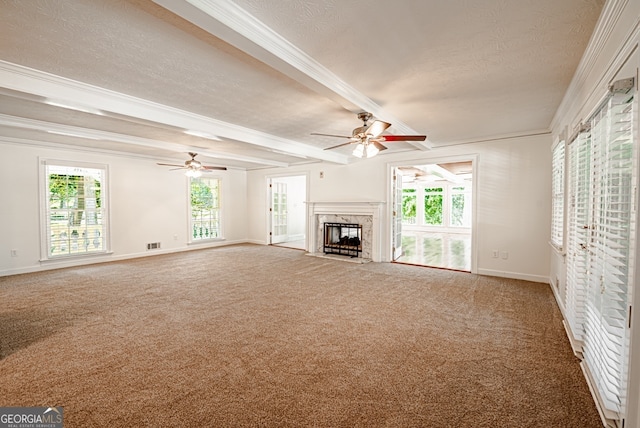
(495, 254)
(321, 174)
(14, 253)
(504, 255)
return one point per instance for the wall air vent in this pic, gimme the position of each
(153, 246)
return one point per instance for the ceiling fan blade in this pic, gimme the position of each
(170, 164)
(181, 167)
(340, 145)
(404, 137)
(220, 168)
(378, 145)
(377, 128)
(330, 135)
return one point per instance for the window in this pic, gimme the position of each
(279, 205)
(460, 206)
(610, 274)
(433, 206)
(602, 174)
(557, 192)
(409, 206)
(75, 209)
(578, 233)
(445, 206)
(205, 208)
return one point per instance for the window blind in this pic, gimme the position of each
(75, 215)
(612, 219)
(578, 232)
(557, 190)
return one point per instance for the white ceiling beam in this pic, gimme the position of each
(229, 22)
(52, 87)
(442, 172)
(93, 134)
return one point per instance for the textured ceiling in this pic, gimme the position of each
(261, 75)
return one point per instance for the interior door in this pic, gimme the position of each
(279, 214)
(397, 214)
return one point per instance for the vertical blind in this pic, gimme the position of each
(602, 176)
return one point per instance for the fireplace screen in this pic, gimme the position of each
(343, 238)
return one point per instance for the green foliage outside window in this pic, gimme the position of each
(62, 189)
(71, 192)
(408, 205)
(74, 209)
(201, 195)
(204, 200)
(433, 206)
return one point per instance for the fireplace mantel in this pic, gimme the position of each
(374, 210)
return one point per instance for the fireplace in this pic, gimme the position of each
(343, 238)
(365, 214)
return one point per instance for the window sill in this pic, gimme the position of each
(58, 259)
(558, 250)
(206, 241)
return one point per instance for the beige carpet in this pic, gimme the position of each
(262, 336)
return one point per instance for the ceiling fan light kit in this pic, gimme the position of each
(193, 167)
(368, 137)
(365, 150)
(193, 173)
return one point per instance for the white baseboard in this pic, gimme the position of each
(514, 275)
(256, 241)
(110, 257)
(554, 288)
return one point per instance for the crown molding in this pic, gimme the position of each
(47, 85)
(609, 18)
(496, 138)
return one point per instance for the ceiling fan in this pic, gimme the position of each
(368, 138)
(194, 168)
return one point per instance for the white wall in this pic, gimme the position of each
(148, 203)
(513, 198)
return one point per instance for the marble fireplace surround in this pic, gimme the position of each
(368, 214)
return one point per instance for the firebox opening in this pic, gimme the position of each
(343, 238)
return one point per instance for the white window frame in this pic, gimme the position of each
(447, 194)
(220, 235)
(45, 225)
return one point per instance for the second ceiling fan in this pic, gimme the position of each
(368, 137)
(194, 167)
